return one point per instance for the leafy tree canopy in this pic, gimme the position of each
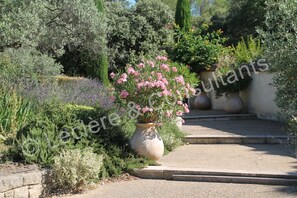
(51, 25)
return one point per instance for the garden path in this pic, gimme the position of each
(219, 155)
(229, 148)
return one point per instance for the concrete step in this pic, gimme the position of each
(235, 139)
(221, 117)
(233, 157)
(179, 174)
(234, 179)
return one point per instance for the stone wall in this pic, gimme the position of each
(21, 185)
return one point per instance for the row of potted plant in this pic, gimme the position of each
(232, 74)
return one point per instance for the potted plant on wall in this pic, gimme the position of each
(234, 72)
(152, 93)
(230, 85)
(200, 49)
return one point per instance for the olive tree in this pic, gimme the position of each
(53, 27)
(280, 37)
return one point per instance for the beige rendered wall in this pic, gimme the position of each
(258, 97)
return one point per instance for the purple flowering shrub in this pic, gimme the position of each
(80, 91)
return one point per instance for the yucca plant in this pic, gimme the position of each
(14, 113)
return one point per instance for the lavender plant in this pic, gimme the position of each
(81, 91)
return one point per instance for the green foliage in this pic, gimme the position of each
(103, 73)
(100, 5)
(103, 57)
(206, 9)
(279, 35)
(183, 14)
(51, 25)
(233, 82)
(213, 12)
(197, 48)
(75, 169)
(55, 27)
(171, 135)
(21, 23)
(137, 32)
(247, 51)
(60, 127)
(26, 63)
(292, 128)
(244, 52)
(15, 112)
(171, 4)
(232, 74)
(245, 16)
(43, 138)
(226, 61)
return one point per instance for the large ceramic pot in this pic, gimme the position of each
(202, 102)
(234, 103)
(147, 142)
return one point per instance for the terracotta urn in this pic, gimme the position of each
(147, 142)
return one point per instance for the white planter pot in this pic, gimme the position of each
(202, 102)
(234, 103)
(147, 142)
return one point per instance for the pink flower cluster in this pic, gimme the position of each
(124, 94)
(151, 63)
(162, 58)
(140, 65)
(131, 71)
(161, 83)
(123, 78)
(138, 84)
(180, 79)
(146, 109)
(191, 89)
(168, 114)
(165, 67)
(185, 108)
(112, 75)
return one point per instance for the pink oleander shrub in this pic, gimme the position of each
(154, 90)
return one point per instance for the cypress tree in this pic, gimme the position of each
(183, 14)
(103, 71)
(102, 62)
